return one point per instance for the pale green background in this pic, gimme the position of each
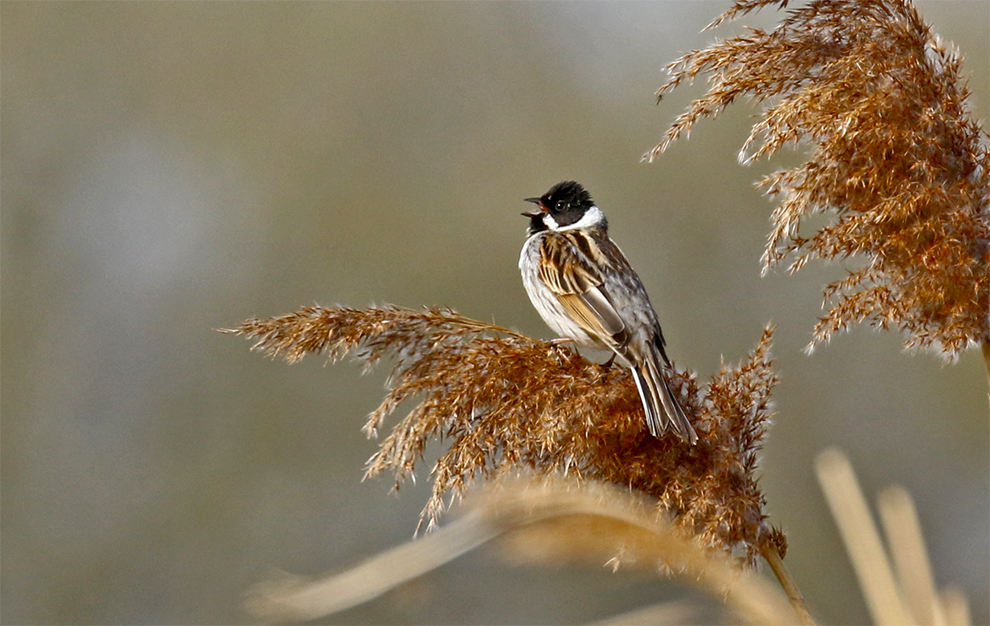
(169, 169)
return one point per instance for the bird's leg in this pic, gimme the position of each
(605, 367)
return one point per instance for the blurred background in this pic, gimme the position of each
(169, 169)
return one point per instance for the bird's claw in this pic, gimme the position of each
(555, 347)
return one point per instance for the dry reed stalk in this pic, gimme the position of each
(909, 597)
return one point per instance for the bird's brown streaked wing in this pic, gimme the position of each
(577, 284)
(622, 270)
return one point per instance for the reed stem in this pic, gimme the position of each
(790, 588)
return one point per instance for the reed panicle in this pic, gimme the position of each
(540, 520)
(894, 157)
(505, 403)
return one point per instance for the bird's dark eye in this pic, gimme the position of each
(561, 206)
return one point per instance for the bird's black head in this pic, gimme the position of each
(564, 205)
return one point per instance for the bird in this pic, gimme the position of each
(584, 288)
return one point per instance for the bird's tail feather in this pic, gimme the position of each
(662, 410)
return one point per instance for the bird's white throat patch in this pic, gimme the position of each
(592, 217)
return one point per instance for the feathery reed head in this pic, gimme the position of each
(538, 520)
(505, 402)
(894, 156)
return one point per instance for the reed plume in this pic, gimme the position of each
(894, 157)
(536, 521)
(506, 403)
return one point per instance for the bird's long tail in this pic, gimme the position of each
(662, 410)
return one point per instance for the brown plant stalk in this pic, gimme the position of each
(893, 156)
(503, 403)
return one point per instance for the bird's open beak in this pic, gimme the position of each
(535, 212)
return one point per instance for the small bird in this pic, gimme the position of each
(587, 292)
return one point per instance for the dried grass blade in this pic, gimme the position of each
(862, 539)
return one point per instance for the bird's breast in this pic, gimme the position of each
(544, 300)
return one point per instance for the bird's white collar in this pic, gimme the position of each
(592, 217)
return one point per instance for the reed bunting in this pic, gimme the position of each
(585, 290)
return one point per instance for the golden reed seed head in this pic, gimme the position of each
(504, 403)
(894, 155)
